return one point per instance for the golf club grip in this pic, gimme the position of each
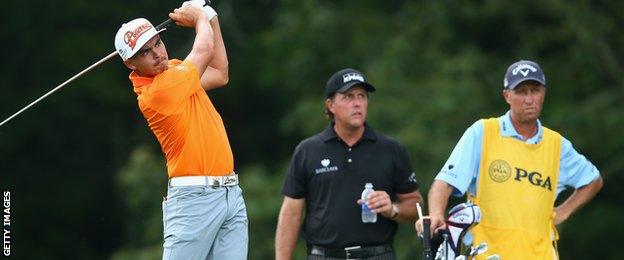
(427, 254)
(164, 24)
(169, 21)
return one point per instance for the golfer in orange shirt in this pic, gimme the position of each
(204, 214)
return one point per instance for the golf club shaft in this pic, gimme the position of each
(427, 253)
(164, 24)
(60, 86)
(160, 26)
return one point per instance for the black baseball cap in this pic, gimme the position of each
(345, 79)
(521, 71)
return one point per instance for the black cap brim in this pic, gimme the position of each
(367, 87)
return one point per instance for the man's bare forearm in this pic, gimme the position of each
(407, 206)
(439, 194)
(216, 73)
(203, 46)
(577, 200)
(219, 60)
(287, 232)
(438, 198)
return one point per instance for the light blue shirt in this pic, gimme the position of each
(461, 170)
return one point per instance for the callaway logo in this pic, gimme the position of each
(412, 178)
(131, 37)
(523, 69)
(352, 76)
(462, 216)
(325, 163)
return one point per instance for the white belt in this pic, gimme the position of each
(214, 181)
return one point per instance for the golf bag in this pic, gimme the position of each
(461, 219)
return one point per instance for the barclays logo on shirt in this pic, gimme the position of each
(326, 168)
(447, 170)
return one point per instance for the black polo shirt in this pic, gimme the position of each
(331, 176)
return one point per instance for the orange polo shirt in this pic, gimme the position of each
(185, 122)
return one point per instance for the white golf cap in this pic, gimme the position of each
(132, 36)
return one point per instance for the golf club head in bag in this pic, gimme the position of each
(461, 219)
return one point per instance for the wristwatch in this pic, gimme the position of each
(395, 211)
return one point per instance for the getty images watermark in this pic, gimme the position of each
(6, 223)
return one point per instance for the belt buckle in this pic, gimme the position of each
(229, 180)
(216, 183)
(317, 251)
(347, 249)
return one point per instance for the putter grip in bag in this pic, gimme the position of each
(427, 254)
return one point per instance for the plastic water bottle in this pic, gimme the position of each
(367, 215)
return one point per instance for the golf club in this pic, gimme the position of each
(426, 239)
(108, 57)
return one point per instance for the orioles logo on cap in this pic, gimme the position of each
(131, 37)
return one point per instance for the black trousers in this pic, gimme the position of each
(386, 256)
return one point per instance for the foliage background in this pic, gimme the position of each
(86, 175)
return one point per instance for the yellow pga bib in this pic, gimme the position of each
(516, 193)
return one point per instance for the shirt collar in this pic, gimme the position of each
(139, 81)
(508, 130)
(329, 134)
